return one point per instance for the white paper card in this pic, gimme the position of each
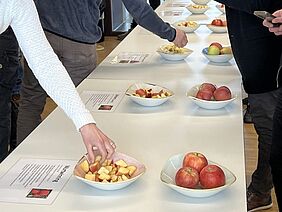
(35, 181)
(101, 101)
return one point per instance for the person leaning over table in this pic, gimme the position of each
(75, 24)
(276, 149)
(22, 16)
(257, 54)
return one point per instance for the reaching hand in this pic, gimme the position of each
(93, 137)
(278, 19)
(180, 38)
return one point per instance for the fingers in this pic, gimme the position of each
(91, 155)
(110, 146)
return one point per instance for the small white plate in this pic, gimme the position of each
(116, 185)
(202, 2)
(221, 8)
(189, 28)
(148, 102)
(210, 105)
(202, 8)
(217, 29)
(174, 163)
(222, 58)
(174, 56)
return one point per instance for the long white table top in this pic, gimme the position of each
(151, 135)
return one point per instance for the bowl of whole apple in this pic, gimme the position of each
(114, 173)
(209, 96)
(218, 25)
(191, 174)
(217, 53)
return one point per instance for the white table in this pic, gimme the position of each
(151, 135)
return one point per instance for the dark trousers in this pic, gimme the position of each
(9, 63)
(262, 107)
(276, 150)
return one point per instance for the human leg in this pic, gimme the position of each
(276, 150)
(262, 107)
(8, 67)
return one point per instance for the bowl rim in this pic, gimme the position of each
(233, 96)
(84, 157)
(234, 178)
(149, 84)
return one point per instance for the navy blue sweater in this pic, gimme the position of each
(78, 19)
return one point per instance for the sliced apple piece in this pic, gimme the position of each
(104, 176)
(132, 169)
(90, 176)
(94, 167)
(124, 177)
(122, 171)
(121, 163)
(98, 158)
(103, 170)
(85, 166)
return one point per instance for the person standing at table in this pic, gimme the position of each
(22, 16)
(257, 54)
(276, 149)
(9, 51)
(154, 4)
(72, 30)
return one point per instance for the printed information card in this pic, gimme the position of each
(98, 101)
(35, 181)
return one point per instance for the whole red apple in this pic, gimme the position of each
(195, 160)
(217, 22)
(222, 93)
(205, 95)
(187, 177)
(216, 44)
(207, 86)
(212, 176)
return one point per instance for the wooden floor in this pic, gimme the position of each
(249, 133)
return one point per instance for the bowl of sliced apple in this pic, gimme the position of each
(114, 173)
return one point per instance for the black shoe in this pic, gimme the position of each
(247, 116)
(257, 202)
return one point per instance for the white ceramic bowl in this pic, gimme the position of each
(116, 185)
(217, 29)
(221, 8)
(175, 162)
(222, 58)
(197, 8)
(210, 105)
(202, 2)
(174, 56)
(188, 28)
(148, 102)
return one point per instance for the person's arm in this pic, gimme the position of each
(146, 17)
(52, 75)
(250, 6)
(275, 30)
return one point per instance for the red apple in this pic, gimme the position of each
(217, 22)
(195, 160)
(212, 176)
(222, 93)
(187, 177)
(216, 44)
(205, 95)
(141, 92)
(207, 86)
